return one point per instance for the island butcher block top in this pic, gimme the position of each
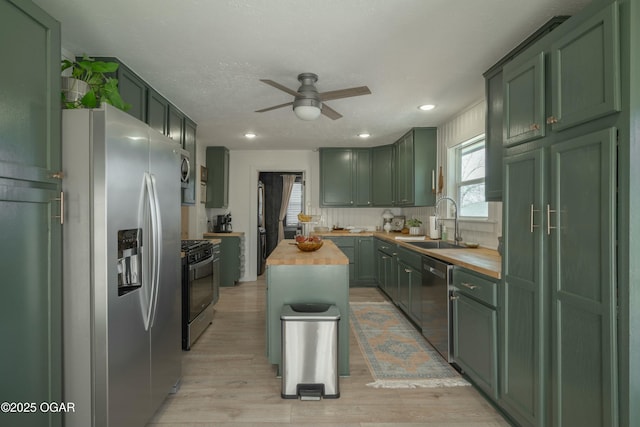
(287, 253)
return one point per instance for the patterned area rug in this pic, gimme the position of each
(396, 353)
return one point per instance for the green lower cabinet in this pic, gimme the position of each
(475, 329)
(386, 267)
(409, 281)
(409, 290)
(365, 261)
(360, 251)
(231, 250)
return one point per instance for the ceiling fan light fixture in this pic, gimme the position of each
(307, 108)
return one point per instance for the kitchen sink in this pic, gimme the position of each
(435, 244)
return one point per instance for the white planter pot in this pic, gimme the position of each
(415, 231)
(74, 89)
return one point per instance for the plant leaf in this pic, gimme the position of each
(104, 67)
(90, 100)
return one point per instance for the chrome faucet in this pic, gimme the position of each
(456, 233)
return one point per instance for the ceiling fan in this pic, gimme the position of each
(309, 103)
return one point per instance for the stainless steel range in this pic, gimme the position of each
(200, 288)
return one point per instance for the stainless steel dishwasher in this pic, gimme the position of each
(436, 307)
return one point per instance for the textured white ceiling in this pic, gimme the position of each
(207, 57)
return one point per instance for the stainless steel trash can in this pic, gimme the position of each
(309, 363)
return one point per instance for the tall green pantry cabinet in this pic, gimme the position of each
(567, 354)
(30, 224)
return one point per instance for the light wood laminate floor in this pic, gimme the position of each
(227, 381)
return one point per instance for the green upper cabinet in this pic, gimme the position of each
(175, 125)
(524, 95)
(336, 177)
(189, 193)
(582, 81)
(133, 91)
(494, 119)
(585, 69)
(132, 88)
(400, 174)
(493, 137)
(345, 177)
(415, 167)
(405, 170)
(217, 177)
(362, 176)
(382, 175)
(157, 111)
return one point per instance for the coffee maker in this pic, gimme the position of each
(223, 224)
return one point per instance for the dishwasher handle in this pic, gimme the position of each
(435, 272)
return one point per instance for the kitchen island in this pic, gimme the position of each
(294, 276)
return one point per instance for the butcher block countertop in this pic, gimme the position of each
(232, 234)
(287, 253)
(481, 260)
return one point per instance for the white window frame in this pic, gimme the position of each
(458, 183)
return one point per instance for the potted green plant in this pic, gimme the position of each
(89, 85)
(414, 226)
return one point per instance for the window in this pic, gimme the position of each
(470, 173)
(295, 204)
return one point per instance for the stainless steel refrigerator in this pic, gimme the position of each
(121, 268)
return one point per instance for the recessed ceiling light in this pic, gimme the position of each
(426, 107)
(364, 135)
(249, 135)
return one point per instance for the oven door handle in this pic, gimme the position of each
(201, 263)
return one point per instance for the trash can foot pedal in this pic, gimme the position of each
(310, 391)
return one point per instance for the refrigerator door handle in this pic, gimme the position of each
(157, 251)
(150, 215)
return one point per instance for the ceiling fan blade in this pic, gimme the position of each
(274, 107)
(330, 112)
(345, 93)
(279, 86)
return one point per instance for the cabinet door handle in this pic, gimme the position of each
(469, 285)
(534, 126)
(531, 224)
(61, 200)
(549, 227)
(406, 270)
(551, 120)
(454, 297)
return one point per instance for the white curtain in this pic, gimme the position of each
(287, 187)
